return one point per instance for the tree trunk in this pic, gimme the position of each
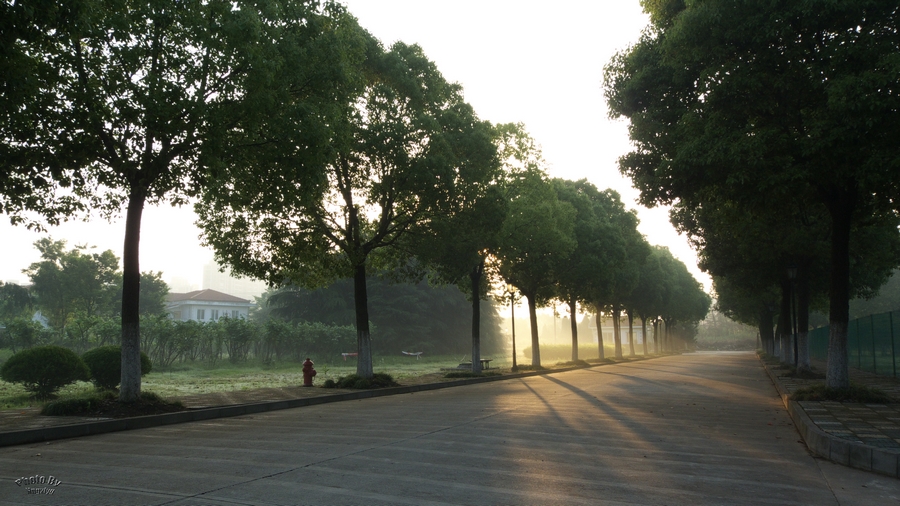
(617, 333)
(667, 339)
(363, 338)
(512, 311)
(532, 315)
(602, 354)
(766, 333)
(656, 335)
(130, 387)
(784, 323)
(644, 335)
(574, 325)
(475, 278)
(841, 205)
(803, 320)
(630, 316)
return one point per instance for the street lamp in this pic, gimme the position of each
(792, 276)
(511, 290)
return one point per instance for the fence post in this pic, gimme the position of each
(872, 332)
(893, 351)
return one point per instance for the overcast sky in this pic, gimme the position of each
(532, 62)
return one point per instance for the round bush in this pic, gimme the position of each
(105, 365)
(44, 369)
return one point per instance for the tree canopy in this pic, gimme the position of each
(756, 102)
(403, 149)
(125, 104)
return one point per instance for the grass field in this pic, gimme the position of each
(196, 378)
(190, 379)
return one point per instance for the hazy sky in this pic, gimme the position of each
(529, 62)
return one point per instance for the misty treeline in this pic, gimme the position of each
(314, 153)
(777, 151)
(74, 294)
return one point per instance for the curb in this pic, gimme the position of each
(41, 435)
(849, 453)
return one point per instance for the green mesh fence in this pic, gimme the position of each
(873, 343)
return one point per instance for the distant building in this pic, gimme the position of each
(206, 306)
(224, 282)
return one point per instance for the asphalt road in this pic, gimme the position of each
(692, 429)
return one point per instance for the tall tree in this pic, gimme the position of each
(599, 248)
(403, 147)
(129, 99)
(538, 232)
(742, 99)
(15, 301)
(74, 281)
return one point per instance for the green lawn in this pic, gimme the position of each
(188, 379)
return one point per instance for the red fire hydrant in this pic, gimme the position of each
(308, 373)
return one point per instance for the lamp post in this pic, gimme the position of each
(511, 290)
(792, 276)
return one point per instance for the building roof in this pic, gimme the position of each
(204, 296)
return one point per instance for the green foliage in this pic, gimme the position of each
(400, 143)
(405, 316)
(531, 367)
(66, 283)
(152, 295)
(355, 381)
(44, 369)
(105, 365)
(854, 393)
(135, 103)
(75, 406)
(887, 299)
(106, 403)
(15, 301)
(23, 333)
(700, 89)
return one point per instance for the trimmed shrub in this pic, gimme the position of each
(105, 365)
(379, 380)
(44, 370)
(78, 405)
(855, 393)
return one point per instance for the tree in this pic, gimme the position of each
(129, 100)
(404, 146)
(536, 234)
(68, 282)
(623, 277)
(599, 249)
(406, 316)
(651, 293)
(766, 101)
(15, 301)
(152, 298)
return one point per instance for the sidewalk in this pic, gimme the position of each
(862, 436)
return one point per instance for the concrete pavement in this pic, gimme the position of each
(690, 429)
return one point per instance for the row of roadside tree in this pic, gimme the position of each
(314, 153)
(772, 131)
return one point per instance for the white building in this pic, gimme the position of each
(206, 306)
